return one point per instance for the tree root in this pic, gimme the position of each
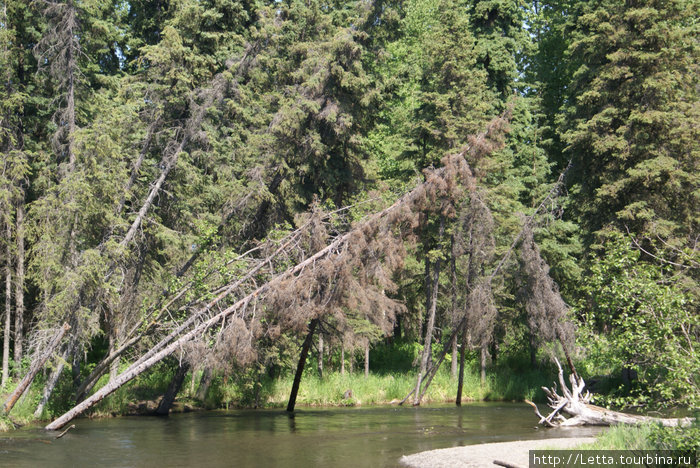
(578, 405)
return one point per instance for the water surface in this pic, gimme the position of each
(334, 437)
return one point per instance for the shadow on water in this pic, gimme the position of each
(339, 437)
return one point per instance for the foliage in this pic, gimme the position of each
(638, 315)
(173, 157)
(684, 439)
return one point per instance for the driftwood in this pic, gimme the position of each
(506, 464)
(34, 369)
(577, 404)
(72, 426)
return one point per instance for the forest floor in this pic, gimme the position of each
(483, 455)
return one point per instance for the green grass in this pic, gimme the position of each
(623, 438)
(23, 411)
(381, 388)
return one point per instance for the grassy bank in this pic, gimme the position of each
(648, 437)
(377, 388)
(247, 391)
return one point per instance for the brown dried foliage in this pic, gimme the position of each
(344, 274)
(546, 310)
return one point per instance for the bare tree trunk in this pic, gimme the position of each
(483, 364)
(173, 389)
(76, 361)
(577, 404)
(51, 384)
(351, 362)
(342, 359)
(204, 383)
(37, 364)
(320, 355)
(8, 309)
(300, 366)
(431, 323)
(460, 381)
(19, 287)
(453, 281)
(367, 359)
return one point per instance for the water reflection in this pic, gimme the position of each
(342, 437)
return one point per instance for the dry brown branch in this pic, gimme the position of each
(577, 405)
(323, 279)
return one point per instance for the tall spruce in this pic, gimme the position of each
(630, 118)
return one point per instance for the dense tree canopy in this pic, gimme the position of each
(163, 160)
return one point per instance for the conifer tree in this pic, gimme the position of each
(631, 110)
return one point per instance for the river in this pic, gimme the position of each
(324, 437)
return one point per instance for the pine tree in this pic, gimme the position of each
(631, 110)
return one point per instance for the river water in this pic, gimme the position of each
(327, 437)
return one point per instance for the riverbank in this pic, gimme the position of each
(483, 455)
(333, 389)
(644, 437)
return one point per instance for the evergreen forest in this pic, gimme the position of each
(211, 193)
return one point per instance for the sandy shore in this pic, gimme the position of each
(483, 455)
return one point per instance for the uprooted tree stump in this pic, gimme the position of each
(577, 405)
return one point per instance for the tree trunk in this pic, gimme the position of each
(37, 364)
(577, 404)
(8, 309)
(19, 288)
(431, 322)
(50, 385)
(342, 359)
(173, 389)
(367, 359)
(204, 383)
(453, 281)
(533, 349)
(460, 381)
(76, 361)
(300, 366)
(483, 364)
(320, 355)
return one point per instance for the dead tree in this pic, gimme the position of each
(300, 365)
(546, 310)
(482, 293)
(433, 291)
(36, 366)
(577, 404)
(352, 270)
(173, 389)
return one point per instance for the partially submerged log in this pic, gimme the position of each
(578, 405)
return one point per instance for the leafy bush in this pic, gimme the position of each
(685, 439)
(638, 316)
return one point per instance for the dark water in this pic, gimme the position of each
(334, 437)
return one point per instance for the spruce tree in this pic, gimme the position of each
(630, 117)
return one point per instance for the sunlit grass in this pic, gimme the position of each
(623, 438)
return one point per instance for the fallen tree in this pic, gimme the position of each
(327, 275)
(36, 366)
(577, 404)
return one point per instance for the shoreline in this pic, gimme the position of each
(483, 455)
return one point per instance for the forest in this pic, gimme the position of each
(222, 190)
